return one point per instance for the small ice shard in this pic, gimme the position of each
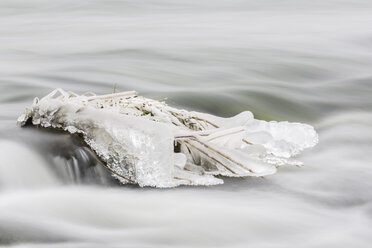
(147, 142)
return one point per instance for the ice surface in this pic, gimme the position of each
(146, 142)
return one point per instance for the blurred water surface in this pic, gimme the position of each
(304, 61)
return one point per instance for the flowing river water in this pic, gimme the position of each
(302, 61)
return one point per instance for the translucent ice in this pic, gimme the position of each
(146, 142)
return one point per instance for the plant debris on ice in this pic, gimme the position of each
(149, 143)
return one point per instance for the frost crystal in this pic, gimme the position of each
(147, 142)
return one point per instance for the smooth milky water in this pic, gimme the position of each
(304, 61)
